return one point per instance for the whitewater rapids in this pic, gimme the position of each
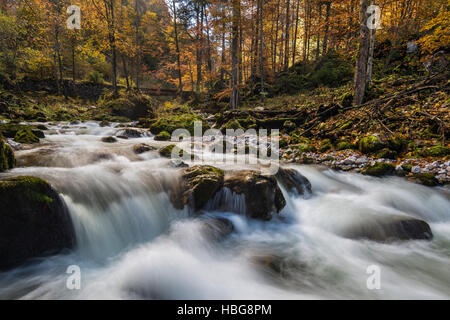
(132, 244)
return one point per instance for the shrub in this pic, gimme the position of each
(95, 77)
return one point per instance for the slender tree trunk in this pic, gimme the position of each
(261, 51)
(177, 47)
(327, 26)
(234, 101)
(199, 14)
(286, 39)
(74, 40)
(223, 60)
(371, 50)
(125, 71)
(138, 46)
(294, 49)
(361, 63)
(276, 38)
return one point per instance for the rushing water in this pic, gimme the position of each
(132, 244)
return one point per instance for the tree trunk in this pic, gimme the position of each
(294, 49)
(361, 63)
(371, 50)
(327, 26)
(276, 38)
(234, 101)
(261, 51)
(286, 39)
(125, 71)
(177, 46)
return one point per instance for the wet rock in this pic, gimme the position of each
(217, 228)
(163, 136)
(34, 221)
(176, 163)
(142, 148)
(370, 144)
(263, 196)
(7, 160)
(427, 179)
(109, 140)
(167, 151)
(416, 169)
(197, 186)
(379, 169)
(131, 133)
(26, 136)
(293, 181)
(390, 228)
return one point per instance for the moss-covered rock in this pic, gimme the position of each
(7, 160)
(370, 144)
(34, 221)
(379, 169)
(167, 151)
(26, 136)
(132, 105)
(386, 154)
(407, 167)
(142, 147)
(302, 148)
(397, 144)
(325, 145)
(163, 136)
(426, 178)
(436, 151)
(289, 125)
(344, 145)
(198, 185)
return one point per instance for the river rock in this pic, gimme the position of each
(131, 133)
(198, 185)
(34, 221)
(7, 160)
(142, 148)
(109, 140)
(389, 228)
(293, 181)
(263, 196)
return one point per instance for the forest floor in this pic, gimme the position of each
(402, 128)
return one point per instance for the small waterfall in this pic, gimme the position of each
(132, 243)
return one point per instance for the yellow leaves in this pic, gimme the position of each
(438, 33)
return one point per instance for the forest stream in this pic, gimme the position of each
(131, 243)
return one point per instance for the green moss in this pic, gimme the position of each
(344, 145)
(31, 187)
(283, 143)
(167, 151)
(205, 181)
(397, 144)
(289, 125)
(427, 179)
(325, 145)
(386, 154)
(170, 123)
(369, 144)
(379, 169)
(7, 160)
(407, 167)
(436, 151)
(26, 136)
(303, 147)
(232, 124)
(163, 136)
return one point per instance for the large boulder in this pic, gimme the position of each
(197, 186)
(34, 221)
(263, 196)
(389, 228)
(293, 181)
(7, 160)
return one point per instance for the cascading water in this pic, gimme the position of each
(132, 243)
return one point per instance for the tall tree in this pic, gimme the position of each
(236, 13)
(361, 62)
